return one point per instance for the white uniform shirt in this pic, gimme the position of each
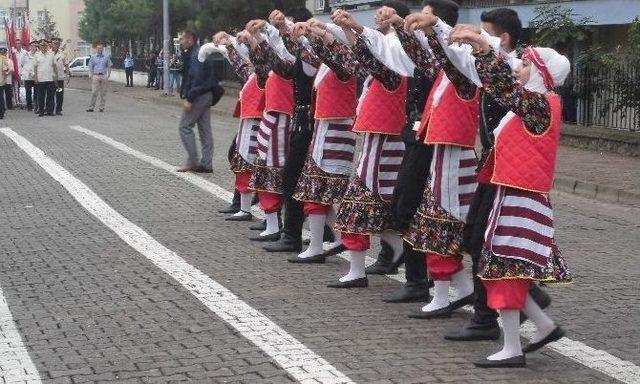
(27, 66)
(45, 63)
(60, 64)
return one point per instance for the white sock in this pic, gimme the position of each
(511, 334)
(462, 281)
(316, 227)
(440, 296)
(544, 324)
(356, 266)
(272, 224)
(245, 201)
(395, 241)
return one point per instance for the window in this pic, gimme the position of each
(320, 4)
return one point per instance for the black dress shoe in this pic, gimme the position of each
(246, 216)
(284, 245)
(555, 335)
(512, 362)
(380, 268)
(261, 226)
(334, 251)
(475, 332)
(467, 300)
(201, 169)
(362, 282)
(316, 259)
(408, 295)
(435, 314)
(271, 237)
(231, 209)
(90, 110)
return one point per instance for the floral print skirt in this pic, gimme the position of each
(433, 229)
(318, 186)
(265, 178)
(493, 267)
(362, 212)
(240, 165)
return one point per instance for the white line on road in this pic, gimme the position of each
(16, 365)
(602, 361)
(298, 360)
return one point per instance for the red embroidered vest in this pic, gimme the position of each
(523, 160)
(383, 111)
(279, 95)
(335, 99)
(453, 121)
(252, 99)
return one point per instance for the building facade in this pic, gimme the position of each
(65, 13)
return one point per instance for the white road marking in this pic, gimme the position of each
(16, 365)
(602, 361)
(298, 360)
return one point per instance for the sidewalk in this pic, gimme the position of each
(599, 175)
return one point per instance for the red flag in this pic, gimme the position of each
(11, 43)
(26, 31)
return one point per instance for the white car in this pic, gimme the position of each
(80, 66)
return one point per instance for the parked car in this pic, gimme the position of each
(80, 66)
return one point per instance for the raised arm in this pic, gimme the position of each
(465, 87)
(421, 56)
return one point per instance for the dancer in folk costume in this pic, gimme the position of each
(329, 162)
(502, 28)
(274, 130)
(449, 123)
(519, 243)
(250, 109)
(381, 116)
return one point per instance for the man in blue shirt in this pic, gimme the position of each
(99, 72)
(198, 84)
(128, 69)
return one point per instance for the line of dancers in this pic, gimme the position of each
(416, 91)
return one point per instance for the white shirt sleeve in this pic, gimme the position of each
(275, 42)
(338, 33)
(388, 50)
(242, 49)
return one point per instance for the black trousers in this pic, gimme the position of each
(29, 88)
(2, 108)
(46, 97)
(299, 142)
(8, 94)
(151, 79)
(37, 90)
(59, 95)
(129, 75)
(407, 196)
(473, 242)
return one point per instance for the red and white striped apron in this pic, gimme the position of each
(247, 139)
(333, 146)
(379, 163)
(521, 226)
(453, 178)
(273, 138)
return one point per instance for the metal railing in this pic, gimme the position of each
(506, 3)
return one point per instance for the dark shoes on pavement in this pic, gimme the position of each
(195, 168)
(271, 237)
(555, 335)
(245, 216)
(316, 259)
(384, 264)
(90, 110)
(512, 362)
(442, 312)
(473, 331)
(362, 282)
(285, 244)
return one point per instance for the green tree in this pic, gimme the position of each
(47, 28)
(558, 27)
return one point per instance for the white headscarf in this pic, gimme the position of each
(549, 69)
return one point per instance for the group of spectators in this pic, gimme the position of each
(42, 69)
(154, 65)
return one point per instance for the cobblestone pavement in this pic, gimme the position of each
(90, 308)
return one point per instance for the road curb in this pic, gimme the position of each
(596, 191)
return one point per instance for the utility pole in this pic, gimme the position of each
(165, 45)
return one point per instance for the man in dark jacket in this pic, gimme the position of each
(198, 83)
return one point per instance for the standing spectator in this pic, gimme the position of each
(128, 69)
(150, 66)
(62, 71)
(4, 71)
(8, 84)
(198, 84)
(46, 73)
(27, 66)
(175, 73)
(99, 72)
(36, 86)
(160, 70)
(20, 54)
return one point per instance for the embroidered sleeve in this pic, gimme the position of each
(498, 81)
(336, 56)
(242, 68)
(283, 68)
(420, 56)
(464, 86)
(260, 66)
(374, 67)
(300, 50)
